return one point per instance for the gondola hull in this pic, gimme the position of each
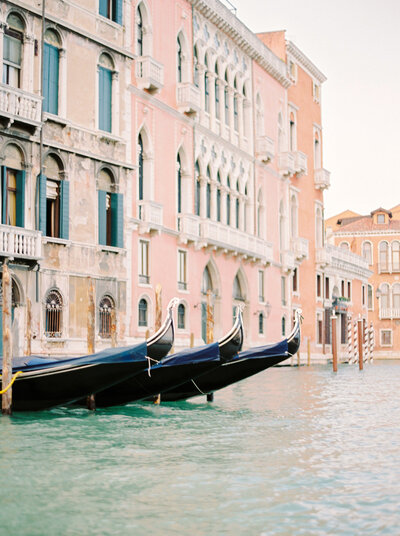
(46, 384)
(166, 375)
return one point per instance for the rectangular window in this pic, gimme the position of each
(50, 79)
(13, 197)
(327, 288)
(144, 276)
(349, 289)
(319, 330)
(363, 294)
(283, 290)
(111, 9)
(370, 300)
(319, 290)
(295, 280)
(182, 270)
(261, 297)
(386, 337)
(111, 216)
(12, 47)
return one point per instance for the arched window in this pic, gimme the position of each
(13, 187)
(345, 246)
(292, 133)
(105, 92)
(237, 213)
(206, 87)
(197, 189)
(139, 31)
(293, 216)
(106, 307)
(179, 60)
(140, 168)
(370, 298)
(51, 57)
(396, 256)
(110, 215)
(196, 67)
(12, 50)
(396, 298)
(282, 238)
(208, 193)
(260, 210)
(53, 314)
(384, 301)
(367, 251)
(317, 152)
(226, 99)
(218, 197)
(216, 83)
(237, 292)
(228, 203)
(206, 283)
(181, 316)
(235, 107)
(383, 257)
(259, 116)
(143, 313)
(179, 183)
(53, 199)
(281, 134)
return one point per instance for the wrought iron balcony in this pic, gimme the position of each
(322, 179)
(188, 98)
(265, 148)
(19, 105)
(300, 247)
(150, 215)
(20, 243)
(149, 73)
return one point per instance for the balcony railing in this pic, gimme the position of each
(323, 257)
(287, 260)
(286, 164)
(151, 215)
(300, 163)
(16, 104)
(300, 247)
(322, 179)
(20, 243)
(389, 313)
(149, 73)
(188, 98)
(265, 149)
(189, 227)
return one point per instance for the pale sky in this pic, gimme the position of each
(356, 44)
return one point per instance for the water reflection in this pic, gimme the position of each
(289, 451)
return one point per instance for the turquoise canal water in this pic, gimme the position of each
(288, 452)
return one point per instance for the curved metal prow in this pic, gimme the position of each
(293, 339)
(160, 343)
(232, 342)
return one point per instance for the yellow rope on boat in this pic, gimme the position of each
(11, 382)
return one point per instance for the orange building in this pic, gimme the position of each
(376, 237)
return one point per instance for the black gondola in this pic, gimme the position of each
(45, 383)
(174, 370)
(242, 366)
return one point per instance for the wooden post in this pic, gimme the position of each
(90, 399)
(360, 344)
(28, 327)
(7, 342)
(158, 307)
(334, 342)
(308, 351)
(113, 328)
(191, 340)
(90, 318)
(210, 319)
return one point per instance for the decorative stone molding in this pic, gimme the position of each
(305, 62)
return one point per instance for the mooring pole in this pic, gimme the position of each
(6, 377)
(334, 343)
(360, 344)
(210, 319)
(191, 340)
(158, 307)
(90, 400)
(113, 328)
(28, 327)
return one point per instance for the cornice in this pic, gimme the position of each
(305, 62)
(227, 22)
(394, 232)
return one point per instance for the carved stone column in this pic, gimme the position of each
(203, 197)
(28, 58)
(62, 83)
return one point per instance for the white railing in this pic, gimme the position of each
(150, 212)
(300, 247)
(188, 97)
(287, 260)
(265, 148)
(149, 72)
(287, 163)
(323, 256)
(18, 104)
(20, 243)
(300, 162)
(322, 178)
(389, 313)
(189, 225)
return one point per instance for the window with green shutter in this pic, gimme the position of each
(105, 85)
(50, 78)
(13, 197)
(110, 219)
(111, 9)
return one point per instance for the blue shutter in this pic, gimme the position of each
(50, 79)
(42, 202)
(20, 219)
(118, 12)
(105, 82)
(117, 226)
(102, 218)
(103, 8)
(64, 210)
(4, 194)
